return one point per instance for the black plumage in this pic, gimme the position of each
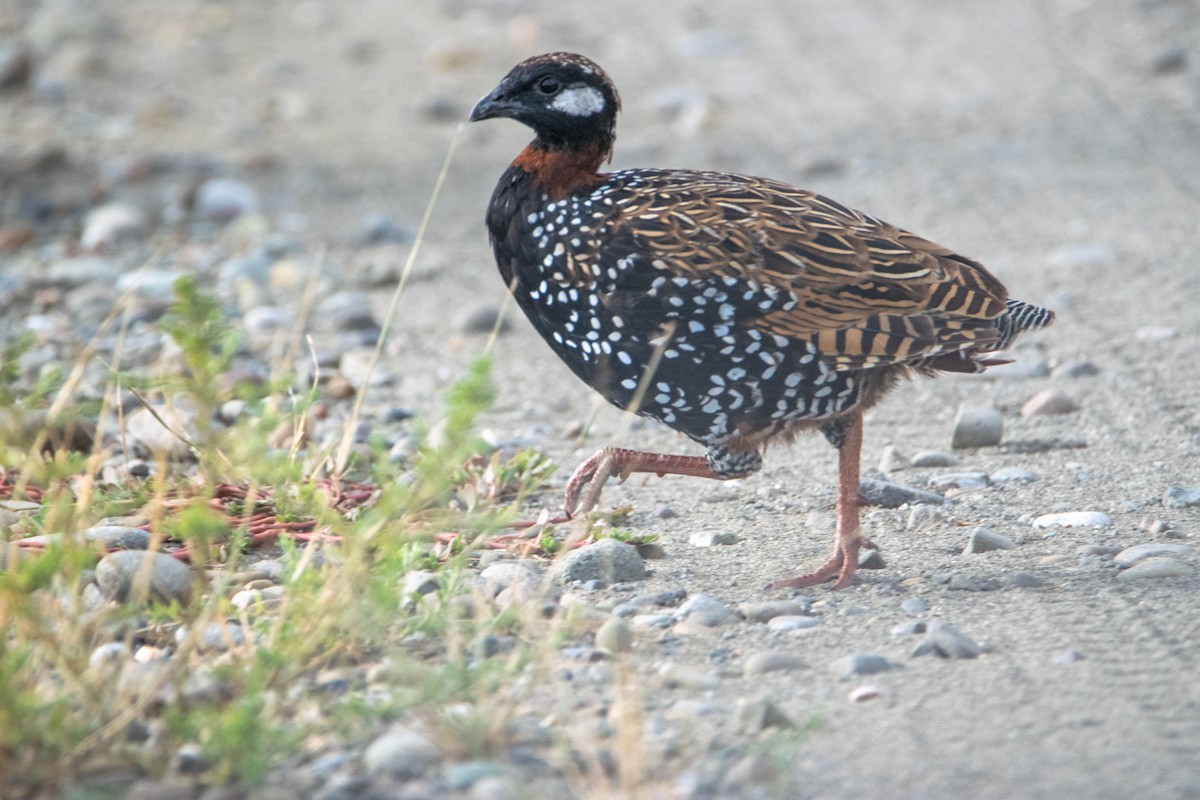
(734, 309)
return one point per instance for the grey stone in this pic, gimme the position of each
(1156, 567)
(708, 611)
(772, 661)
(959, 480)
(894, 495)
(1024, 580)
(1077, 369)
(107, 225)
(711, 538)
(982, 540)
(977, 426)
(971, 583)
(1139, 552)
(934, 458)
(914, 605)
(118, 536)
(400, 752)
(162, 431)
(765, 611)
(224, 199)
(944, 640)
(754, 716)
(607, 559)
(859, 664)
(1012, 475)
(1049, 402)
(1073, 519)
(347, 312)
(1182, 497)
(169, 579)
(420, 582)
(683, 676)
(614, 636)
(892, 460)
(790, 622)
(503, 574)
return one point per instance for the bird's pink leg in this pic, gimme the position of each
(848, 539)
(583, 488)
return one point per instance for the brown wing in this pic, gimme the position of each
(866, 293)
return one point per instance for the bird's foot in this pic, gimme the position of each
(841, 566)
(588, 479)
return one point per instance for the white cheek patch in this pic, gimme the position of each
(580, 101)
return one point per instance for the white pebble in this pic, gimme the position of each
(1073, 519)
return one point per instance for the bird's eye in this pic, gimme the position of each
(548, 85)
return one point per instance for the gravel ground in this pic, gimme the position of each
(1055, 141)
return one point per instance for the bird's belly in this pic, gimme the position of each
(706, 386)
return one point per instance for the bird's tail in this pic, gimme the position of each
(1020, 317)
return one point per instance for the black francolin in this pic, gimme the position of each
(736, 310)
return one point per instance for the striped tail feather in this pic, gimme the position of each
(1020, 317)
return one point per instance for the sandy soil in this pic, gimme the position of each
(1058, 141)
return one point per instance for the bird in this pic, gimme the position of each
(736, 310)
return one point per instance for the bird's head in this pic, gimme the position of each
(567, 99)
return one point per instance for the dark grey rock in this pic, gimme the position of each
(482, 319)
(1024, 580)
(959, 480)
(1182, 497)
(169, 579)
(894, 495)
(607, 559)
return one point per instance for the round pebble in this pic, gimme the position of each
(934, 458)
(608, 560)
(757, 715)
(772, 661)
(224, 199)
(708, 611)
(1048, 402)
(105, 226)
(914, 605)
(170, 580)
(614, 636)
(400, 752)
(977, 426)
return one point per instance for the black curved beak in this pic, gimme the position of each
(492, 106)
